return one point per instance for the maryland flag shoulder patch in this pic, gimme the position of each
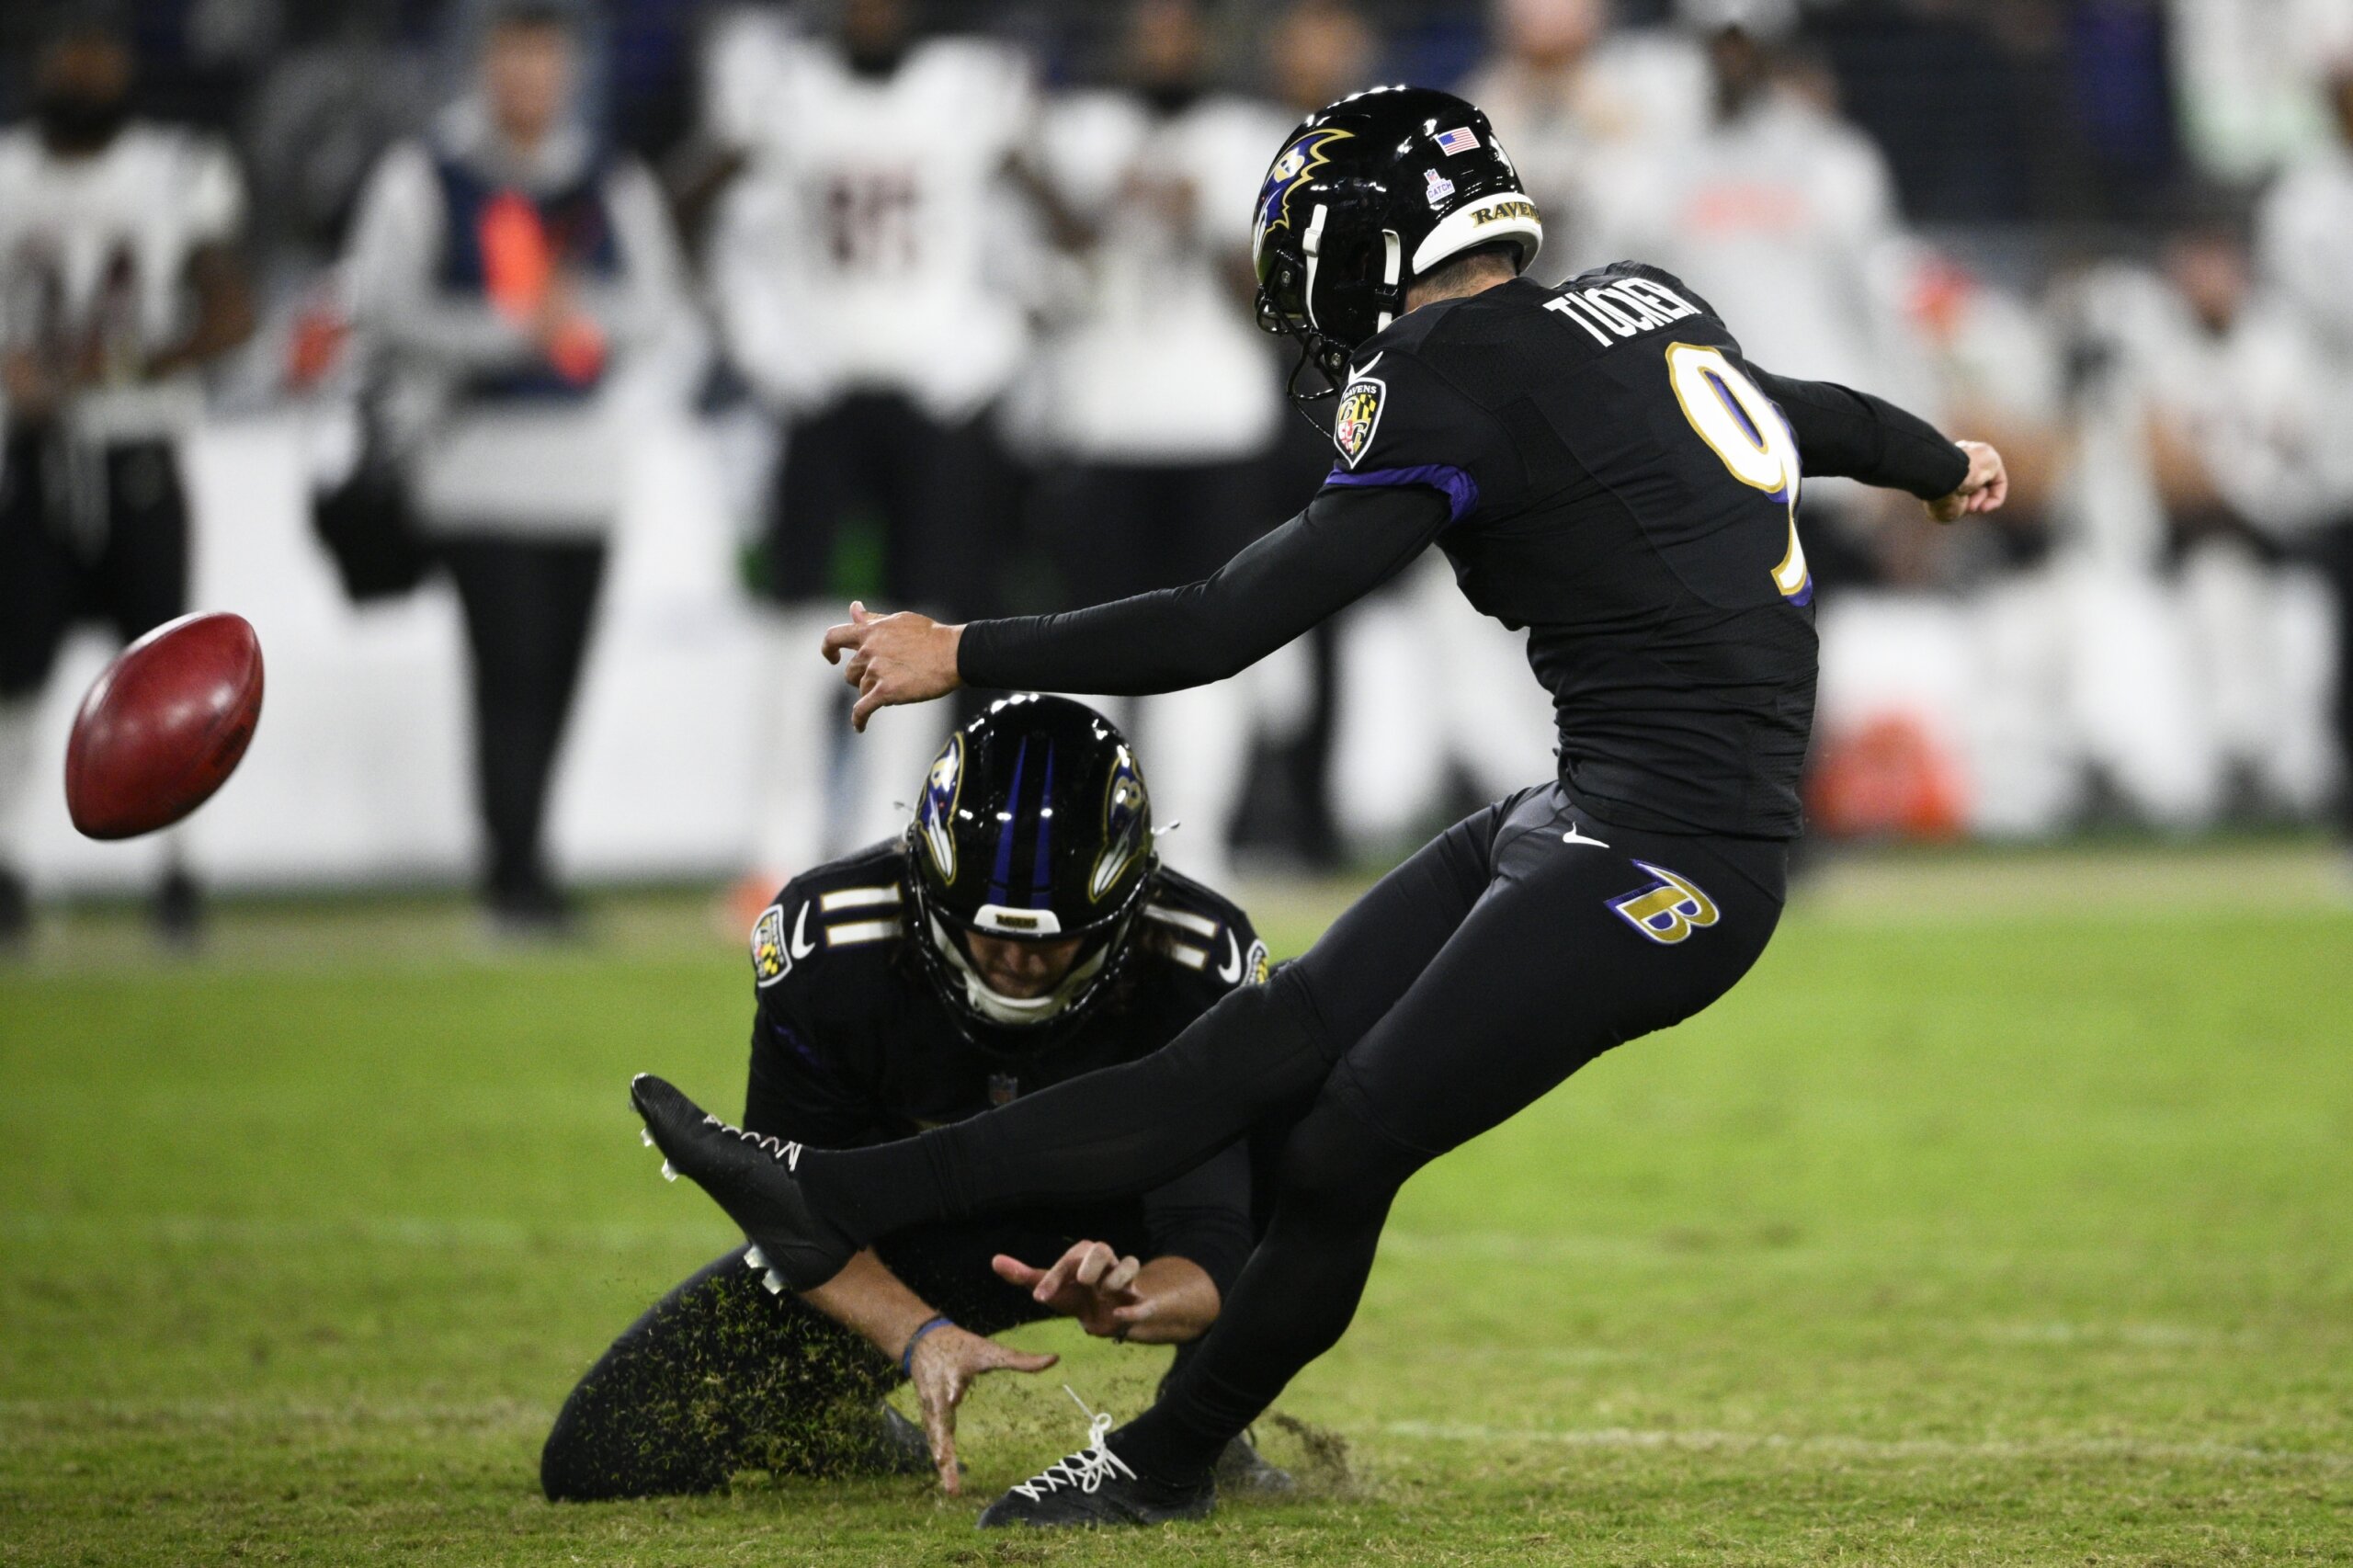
(770, 959)
(1359, 417)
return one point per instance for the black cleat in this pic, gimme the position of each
(748, 1176)
(1242, 1469)
(896, 1445)
(1094, 1487)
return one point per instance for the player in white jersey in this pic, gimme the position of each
(1159, 490)
(2304, 243)
(2245, 455)
(1571, 97)
(118, 282)
(1785, 218)
(859, 270)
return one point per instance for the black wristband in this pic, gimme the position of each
(907, 1356)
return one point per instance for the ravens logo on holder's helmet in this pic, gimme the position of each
(1034, 826)
(1368, 195)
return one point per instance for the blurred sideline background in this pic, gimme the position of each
(2095, 231)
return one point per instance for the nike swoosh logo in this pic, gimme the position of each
(802, 946)
(1573, 836)
(1231, 970)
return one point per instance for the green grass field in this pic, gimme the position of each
(2003, 1214)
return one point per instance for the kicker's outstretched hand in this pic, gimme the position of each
(1985, 489)
(893, 659)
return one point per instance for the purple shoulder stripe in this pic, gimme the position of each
(1461, 491)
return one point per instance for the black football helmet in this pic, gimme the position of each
(1034, 825)
(1367, 196)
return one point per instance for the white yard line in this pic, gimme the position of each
(389, 1230)
(1703, 1440)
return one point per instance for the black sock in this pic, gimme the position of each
(875, 1191)
(1170, 1444)
(1112, 1133)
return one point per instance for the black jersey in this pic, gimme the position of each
(851, 1045)
(1603, 468)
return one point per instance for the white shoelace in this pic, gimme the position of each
(1087, 1469)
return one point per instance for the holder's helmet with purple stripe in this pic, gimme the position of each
(1365, 197)
(1034, 825)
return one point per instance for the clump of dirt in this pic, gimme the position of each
(1323, 1465)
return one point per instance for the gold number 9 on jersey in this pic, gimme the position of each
(1746, 431)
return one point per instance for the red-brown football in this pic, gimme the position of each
(164, 726)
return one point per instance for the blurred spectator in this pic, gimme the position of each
(344, 89)
(2123, 99)
(862, 272)
(1320, 50)
(1316, 52)
(2245, 74)
(2305, 237)
(505, 271)
(1156, 391)
(1566, 94)
(118, 283)
(1967, 100)
(1784, 218)
(2240, 454)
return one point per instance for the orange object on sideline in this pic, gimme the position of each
(577, 350)
(1890, 778)
(517, 264)
(316, 346)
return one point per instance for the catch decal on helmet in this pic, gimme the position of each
(1127, 815)
(935, 818)
(1035, 826)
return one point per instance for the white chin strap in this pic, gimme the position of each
(1392, 263)
(1015, 1012)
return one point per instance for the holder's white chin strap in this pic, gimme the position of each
(1015, 1012)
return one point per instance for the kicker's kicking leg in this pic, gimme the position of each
(1577, 947)
(1262, 1050)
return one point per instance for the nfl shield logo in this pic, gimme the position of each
(1359, 416)
(1003, 1089)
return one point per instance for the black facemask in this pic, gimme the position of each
(71, 122)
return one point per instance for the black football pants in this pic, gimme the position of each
(2336, 558)
(721, 1376)
(945, 495)
(528, 605)
(1506, 954)
(85, 533)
